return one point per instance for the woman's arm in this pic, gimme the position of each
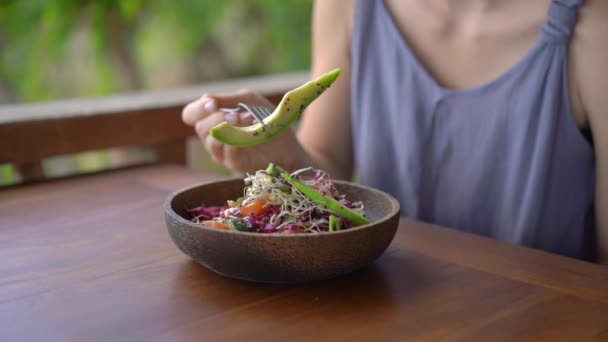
(325, 131)
(590, 64)
(324, 137)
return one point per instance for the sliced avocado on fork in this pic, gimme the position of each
(289, 110)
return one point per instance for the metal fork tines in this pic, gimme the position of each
(259, 113)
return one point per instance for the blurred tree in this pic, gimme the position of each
(70, 48)
(126, 41)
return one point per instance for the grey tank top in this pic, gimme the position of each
(504, 160)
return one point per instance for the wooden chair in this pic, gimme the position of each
(29, 133)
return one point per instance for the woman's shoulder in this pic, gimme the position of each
(589, 42)
(338, 14)
(332, 27)
(592, 22)
(588, 54)
(590, 34)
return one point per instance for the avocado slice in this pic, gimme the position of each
(328, 202)
(289, 110)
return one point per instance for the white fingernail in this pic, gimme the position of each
(209, 106)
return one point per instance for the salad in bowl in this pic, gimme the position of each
(281, 227)
(274, 201)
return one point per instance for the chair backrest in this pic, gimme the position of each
(30, 133)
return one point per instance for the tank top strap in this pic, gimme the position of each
(562, 18)
(363, 10)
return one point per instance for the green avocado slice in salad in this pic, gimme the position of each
(330, 203)
(289, 110)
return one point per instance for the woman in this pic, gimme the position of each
(489, 116)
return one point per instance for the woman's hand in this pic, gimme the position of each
(202, 114)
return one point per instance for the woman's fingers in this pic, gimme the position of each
(205, 113)
(246, 96)
(215, 149)
(198, 110)
(202, 126)
(210, 104)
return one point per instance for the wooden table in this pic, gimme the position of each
(89, 259)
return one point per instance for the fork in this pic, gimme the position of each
(259, 113)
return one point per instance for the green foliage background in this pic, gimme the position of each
(52, 49)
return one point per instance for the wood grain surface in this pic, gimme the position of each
(89, 259)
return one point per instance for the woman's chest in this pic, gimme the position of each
(468, 48)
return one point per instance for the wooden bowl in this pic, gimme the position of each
(280, 258)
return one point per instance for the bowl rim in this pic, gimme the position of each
(169, 211)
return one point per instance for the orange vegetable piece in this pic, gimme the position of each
(215, 224)
(255, 208)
